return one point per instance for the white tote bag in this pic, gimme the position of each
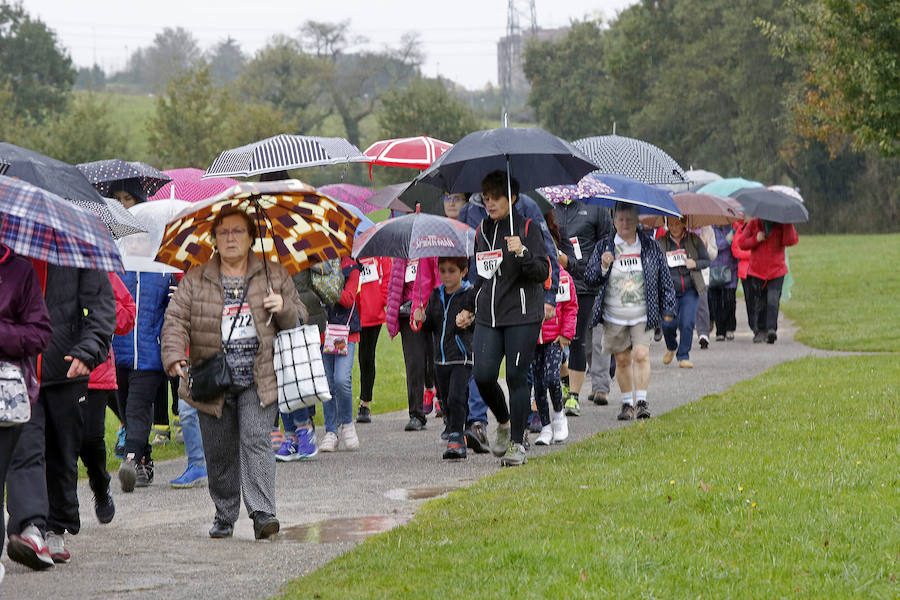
(299, 369)
(15, 407)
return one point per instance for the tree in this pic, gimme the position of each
(425, 107)
(226, 61)
(34, 66)
(174, 50)
(84, 133)
(92, 78)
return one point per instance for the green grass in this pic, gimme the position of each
(846, 291)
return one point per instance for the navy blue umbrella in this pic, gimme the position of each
(650, 200)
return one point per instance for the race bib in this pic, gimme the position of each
(412, 268)
(563, 292)
(244, 327)
(577, 247)
(676, 258)
(628, 263)
(369, 271)
(487, 262)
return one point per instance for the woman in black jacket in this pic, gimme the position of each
(513, 269)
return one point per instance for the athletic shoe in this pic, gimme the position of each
(572, 408)
(534, 423)
(771, 337)
(428, 401)
(720, 337)
(456, 447)
(729, 335)
(161, 435)
(264, 525)
(476, 438)
(56, 544)
(437, 408)
(759, 338)
(2, 572)
(704, 342)
(668, 356)
(193, 476)
(627, 413)
(657, 334)
(179, 432)
(288, 450)
(445, 434)
(128, 474)
(104, 507)
(546, 436)
(501, 442)
(329, 442)
(642, 411)
(414, 424)
(119, 450)
(514, 456)
(363, 414)
(306, 442)
(685, 364)
(144, 473)
(349, 439)
(600, 399)
(560, 425)
(276, 437)
(28, 548)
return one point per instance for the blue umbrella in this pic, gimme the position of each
(650, 200)
(727, 187)
(364, 221)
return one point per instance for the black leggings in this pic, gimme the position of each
(453, 389)
(516, 343)
(577, 352)
(722, 308)
(93, 446)
(365, 354)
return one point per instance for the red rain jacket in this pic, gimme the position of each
(104, 376)
(767, 256)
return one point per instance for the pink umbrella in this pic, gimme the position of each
(186, 185)
(351, 194)
(413, 153)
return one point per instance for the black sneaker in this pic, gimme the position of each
(476, 438)
(657, 334)
(128, 474)
(704, 342)
(771, 337)
(144, 471)
(221, 529)
(627, 413)
(104, 507)
(642, 411)
(265, 525)
(759, 338)
(414, 425)
(456, 447)
(363, 414)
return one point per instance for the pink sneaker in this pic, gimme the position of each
(428, 401)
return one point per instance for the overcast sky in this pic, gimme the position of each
(459, 36)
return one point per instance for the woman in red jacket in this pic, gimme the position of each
(743, 258)
(766, 242)
(373, 279)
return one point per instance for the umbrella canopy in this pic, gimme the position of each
(41, 225)
(350, 194)
(139, 251)
(697, 178)
(727, 187)
(53, 175)
(792, 192)
(188, 185)
(701, 210)
(771, 205)
(590, 186)
(635, 159)
(298, 226)
(649, 199)
(364, 221)
(416, 236)
(283, 152)
(106, 174)
(116, 217)
(413, 152)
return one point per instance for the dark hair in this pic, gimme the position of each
(627, 207)
(234, 210)
(552, 226)
(460, 261)
(136, 191)
(494, 184)
(274, 176)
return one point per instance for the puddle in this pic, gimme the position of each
(419, 493)
(341, 530)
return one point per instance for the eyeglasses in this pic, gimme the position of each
(237, 232)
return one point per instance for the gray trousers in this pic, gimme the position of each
(598, 362)
(702, 325)
(239, 456)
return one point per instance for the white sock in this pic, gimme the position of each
(641, 395)
(628, 398)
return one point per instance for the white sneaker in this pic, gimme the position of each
(2, 572)
(56, 544)
(348, 436)
(329, 442)
(29, 549)
(560, 427)
(545, 437)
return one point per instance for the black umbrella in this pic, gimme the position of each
(106, 175)
(770, 205)
(53, 175)
(386, 197)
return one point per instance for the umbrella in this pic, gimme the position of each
(283, 152)
(703, 209)
(649, 199)
(771, 205)
(388, 196)
(416, 236)
(188, 184)
(350, 194)
(364, 221)
(727, 187)
(697, 178)
(792, 192)
(116, 217)
(104, 173)
(590, 186)
(41, 225)
(298, 226)
(138, 251)
(636, 159)
(53, 175)
(413, 152)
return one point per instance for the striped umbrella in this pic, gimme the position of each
(412, 152)
(41, 225)
(635, 159)
(283, 152)
(188, 184)
(298, 226)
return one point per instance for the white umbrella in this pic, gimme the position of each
(139, 250)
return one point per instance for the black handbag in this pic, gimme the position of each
(719, 276)
(212, 377)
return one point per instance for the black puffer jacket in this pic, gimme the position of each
(452, 345)
(590, 224)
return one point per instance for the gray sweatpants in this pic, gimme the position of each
(239, 456)
(598, 362)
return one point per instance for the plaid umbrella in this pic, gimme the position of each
(116, 217)
(298, 226)
(351, 194)
(188, 185)
(104, 174)
(283, 152)
(414, 236)
(635, 159)
(41, 225)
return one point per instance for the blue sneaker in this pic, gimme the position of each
(192, 477)
(288, 451)
(306, 443)
(119, 450)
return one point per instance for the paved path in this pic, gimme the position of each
(157, 546)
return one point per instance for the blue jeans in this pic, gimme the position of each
(682, 324)
(339, 371)
(292, 421)
(190, 428)
(477, 407)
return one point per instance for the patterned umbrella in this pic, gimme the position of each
(416, 236)
(283, 152)
(298, 225)
(188, 185)
(636, 159)
(138, 251)
(413, 152)
(351, 194)
(103, 174)
(590, 186)
(41, 225)
(116, 217)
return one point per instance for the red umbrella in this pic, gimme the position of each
(413, 153)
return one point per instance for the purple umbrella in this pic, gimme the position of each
(356, 195)
(417, 235)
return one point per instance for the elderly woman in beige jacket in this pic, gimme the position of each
(199, 319)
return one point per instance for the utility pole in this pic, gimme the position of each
(512, 55)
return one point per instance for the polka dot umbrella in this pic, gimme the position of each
(107, 175)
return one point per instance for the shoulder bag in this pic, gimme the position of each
(15, 407)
